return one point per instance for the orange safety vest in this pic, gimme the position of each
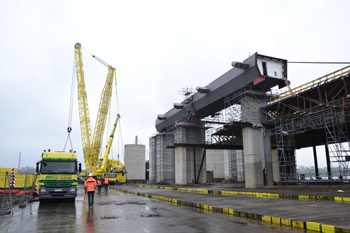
(90, 184)
(99, 183)
(106, 181)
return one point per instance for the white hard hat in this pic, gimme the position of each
(90, 174)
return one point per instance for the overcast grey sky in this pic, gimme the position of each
(157, 48)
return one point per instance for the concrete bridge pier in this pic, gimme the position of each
(189, 159)
(257, 157)
(275, 166)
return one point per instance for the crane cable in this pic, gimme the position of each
(69, 128)
(97, 58)
(120, 124)
(116, 92)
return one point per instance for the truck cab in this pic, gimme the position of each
(58, 175)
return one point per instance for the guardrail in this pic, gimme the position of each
(311, 84)
(323, 177)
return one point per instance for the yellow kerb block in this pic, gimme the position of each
(231, 211)
(225, 211)
(276, 220)
(346, 199)
(313, 226)
(297, 224)
(328, 228)
(206, 207)
(266, 218)
(338, 199)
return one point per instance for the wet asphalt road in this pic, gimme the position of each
(120, 212)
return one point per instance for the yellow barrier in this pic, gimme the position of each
(313, 226)
(6, 169)
(19, 181)
(328, 228)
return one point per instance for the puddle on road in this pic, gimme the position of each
(108, 217)
(152, 208)
(120, 203)
(151, 215)
(131, 203)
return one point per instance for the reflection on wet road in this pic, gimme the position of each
(119, 212)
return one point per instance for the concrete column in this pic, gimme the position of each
(181, 166)
(188, 159)
(254, 147)
(253, 158)
(315, 156)
(275, 165)
(268, 158)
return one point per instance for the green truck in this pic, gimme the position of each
(58, 175)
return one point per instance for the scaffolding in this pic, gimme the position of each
(241, 108)
(336, 133)
(162, 159)
(320, 105)
(286, 151)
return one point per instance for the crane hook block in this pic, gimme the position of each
(69, 129)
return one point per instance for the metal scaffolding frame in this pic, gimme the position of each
(285, 151)
(322, 104)
(336, 133)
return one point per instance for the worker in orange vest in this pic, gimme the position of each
(90, 186)
(85, 183)
(99, 184)
(106, 183)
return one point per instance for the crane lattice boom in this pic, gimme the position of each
(92, 148)
(83, 107)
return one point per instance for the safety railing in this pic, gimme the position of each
(311, 84)
(323, 177)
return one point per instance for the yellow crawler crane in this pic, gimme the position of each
(112, 168)
(92, 146)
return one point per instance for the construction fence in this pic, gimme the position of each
(10, 179)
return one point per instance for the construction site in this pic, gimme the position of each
(228, 149)
(240, 120)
